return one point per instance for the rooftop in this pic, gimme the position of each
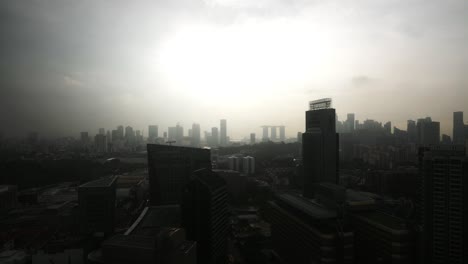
(308, 206)
(103, 182)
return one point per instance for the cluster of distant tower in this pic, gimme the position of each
(273, 136)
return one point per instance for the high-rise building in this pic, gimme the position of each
(282, 133)
(102, 131)
(350, 122)
(171, 133)
(152, 133)
(248, 165)
(196, 135)
(458, 128)
(120, 133)
(130, 135)
(252, 138)
(223, 133)
(299, 137)
(169, 169)
(205, 216)
(100, 142)
(444, 200)
(265, 133)
(319, 146)
(412, 131)
(388, 127)
(179, 137)
(428, 131)
(214, 137)
(96, 201)
(273, 133)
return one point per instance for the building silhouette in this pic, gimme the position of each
(196, 135)
(282, 136)
(152, 133)
(170, 168)
(458, 128)
(444, 199)
(319, 146)
(223, 133)
(273, 133)
(96, 201)
(205, 215)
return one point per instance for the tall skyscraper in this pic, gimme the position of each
(428, 131)
(169, 169)
(319, 146)
(265, 133)
(350, 122)
(252, 138)
(205, 215)
(171, 133)
(458, 128)
(179, 134)
(388, 127)
(223, 133)
(152, 133)
(120, 133)
(196, 135)
(444, 204)
(214, 137)
(282, 133)
(412, 131)
(100, 142)
(273, 133)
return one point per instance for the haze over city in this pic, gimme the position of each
(70, 66)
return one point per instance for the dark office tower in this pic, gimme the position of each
(282, 133)
(120, 132)
(273, 133)
(169, 169)
(412, 131)
(265, 133)
(429, 133)
(223, 133)
(445, 200)
(108, 136)
(205, 215)
(350, 123)
(214, 137)
(319, 146)
(458, 128)
(388, 128)
(179, 134)
(100, 142)
(152, 133)
(196, 135)
(96, 201)
(252, 138)
(172, 133)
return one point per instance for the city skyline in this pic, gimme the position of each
(253, 64)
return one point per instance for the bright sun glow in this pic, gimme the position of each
(243, 59)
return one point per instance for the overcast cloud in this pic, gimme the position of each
(70, 66)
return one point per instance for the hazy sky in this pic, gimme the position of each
(68, 66)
